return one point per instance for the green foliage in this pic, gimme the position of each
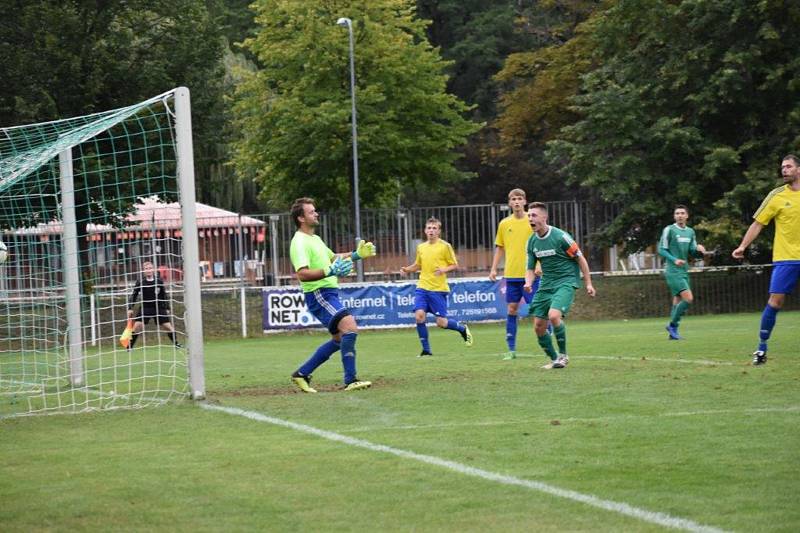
(534, 88)
(294, 113)
(549, 77)
(476, 35)
(69, 59)
(73, 58)
(691, 102)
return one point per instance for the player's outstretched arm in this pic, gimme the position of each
(498, 254)
(749, 236)
(529, 275)
(409, 269)
(587, 275)
(664, 252)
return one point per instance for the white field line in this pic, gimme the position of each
(791, 409)
(36, 390)
(644, 358)
(85, 389)
(661, 519)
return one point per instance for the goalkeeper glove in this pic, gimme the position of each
(340, 267)
(364, 250)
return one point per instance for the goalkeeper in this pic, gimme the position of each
(154, 304)
(318, 269)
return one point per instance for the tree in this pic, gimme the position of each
(690, 102)
(531, 67)
(293, 115)
(78, 57)
(476, 36)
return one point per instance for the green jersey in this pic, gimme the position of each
(557, 252)
(677, 243)
(308, 251)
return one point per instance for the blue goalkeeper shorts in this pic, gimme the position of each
(324, 304)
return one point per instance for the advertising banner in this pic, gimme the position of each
(387, 305)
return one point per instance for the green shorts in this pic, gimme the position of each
(678, 282)
(560, 298)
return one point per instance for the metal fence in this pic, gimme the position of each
(238, 311)
(259, 255)
(253, 250)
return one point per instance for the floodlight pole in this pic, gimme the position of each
(344, 21)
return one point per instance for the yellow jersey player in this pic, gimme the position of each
(511, 239)
(783, 206)
(435, 258)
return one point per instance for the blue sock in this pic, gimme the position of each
(511, 332)
(349, 357)
(422, 331)
(323, 353)
(768, 318)
(454, 324)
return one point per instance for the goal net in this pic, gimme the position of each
(90, 208)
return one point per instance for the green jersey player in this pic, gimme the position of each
(561, 263)
(677, 245)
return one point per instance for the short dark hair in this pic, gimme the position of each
(538, 205)
(680, 206)
(793, 158)
(298, 210)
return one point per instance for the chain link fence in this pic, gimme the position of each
(230, 312)
(255, 251)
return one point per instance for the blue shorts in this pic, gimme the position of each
(784, 277)
(324, 304)
(431, 302)
(515, 292)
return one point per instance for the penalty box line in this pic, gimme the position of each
(652, 517)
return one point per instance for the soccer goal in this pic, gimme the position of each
(90, 208)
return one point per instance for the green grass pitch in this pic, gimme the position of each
(687, 429)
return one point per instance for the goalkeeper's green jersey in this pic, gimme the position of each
(557, 253)
(308, 251)
(677, 243)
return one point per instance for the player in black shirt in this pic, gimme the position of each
(154, 304)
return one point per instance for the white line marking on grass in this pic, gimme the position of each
(363, 429)
(645, 358)
(792, 409)
(661, 519)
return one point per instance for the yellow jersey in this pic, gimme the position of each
(783, 205)
(429, 258)
(512, 236)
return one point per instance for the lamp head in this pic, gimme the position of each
(344, 21)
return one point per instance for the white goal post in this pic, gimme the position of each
(92, 207)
